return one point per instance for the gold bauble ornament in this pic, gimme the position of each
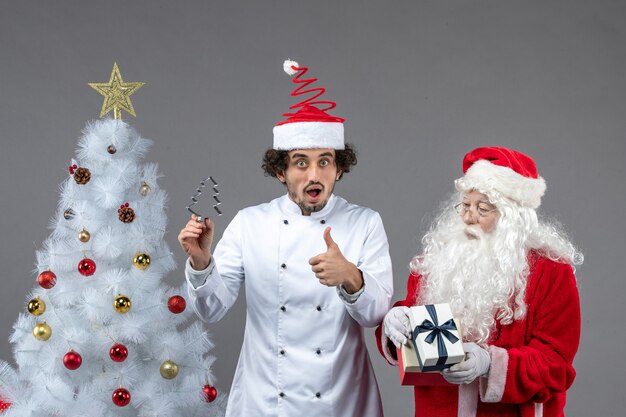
(141, 261)
(122, 304)
(36, 306)
(42, 331)
(168, 369)
(84, 236)
(144, 189)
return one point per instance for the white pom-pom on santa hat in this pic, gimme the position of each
(287, 66)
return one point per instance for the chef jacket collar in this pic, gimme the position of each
(292, 209)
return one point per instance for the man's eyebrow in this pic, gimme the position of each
(298, 155)
(327, 154)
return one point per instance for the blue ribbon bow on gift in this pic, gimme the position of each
(437, 332)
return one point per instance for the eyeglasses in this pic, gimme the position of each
(462, 208)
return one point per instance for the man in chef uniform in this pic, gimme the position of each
(316, 270)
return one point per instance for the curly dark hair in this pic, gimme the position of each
(275, 161)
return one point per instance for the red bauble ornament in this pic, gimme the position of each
(72, 360)
(176, 304)
(210, 393)
(121, 397)
(118, 353)
(4, 406)
(47, 279)
(86, 267)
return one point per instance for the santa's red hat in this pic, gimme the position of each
(506, 171)
(311, 127)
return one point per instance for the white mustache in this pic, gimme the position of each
(474, 230)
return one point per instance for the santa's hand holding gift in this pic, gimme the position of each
(508, 278)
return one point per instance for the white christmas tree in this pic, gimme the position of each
(104, 335)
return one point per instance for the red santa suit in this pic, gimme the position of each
(531, 359)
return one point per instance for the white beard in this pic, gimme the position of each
(477, 277)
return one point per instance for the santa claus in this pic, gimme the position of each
(509, 280)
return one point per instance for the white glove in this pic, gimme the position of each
(476, 364)
(396, 325)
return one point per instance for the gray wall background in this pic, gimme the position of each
(419, 82)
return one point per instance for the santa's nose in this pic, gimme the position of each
(469, 217)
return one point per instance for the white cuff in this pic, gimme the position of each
(492, 386)
(347, 297)
(384, 344)
(198, 278)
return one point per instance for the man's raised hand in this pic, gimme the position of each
(332, 268)
(196, 239)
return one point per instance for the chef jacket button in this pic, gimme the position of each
(281, 394)
(283, 308)
(283, 266)
(323, 221)
(318, 351)
(319, 308)
(282, 351)
(286, 221)
(318, 395)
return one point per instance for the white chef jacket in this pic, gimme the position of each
(303, 351)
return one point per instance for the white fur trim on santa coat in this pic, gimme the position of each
(485, 176)
(308, 135)
(492, 386)
(468, 399)
(384, 342)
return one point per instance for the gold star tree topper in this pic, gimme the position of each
(116, 94)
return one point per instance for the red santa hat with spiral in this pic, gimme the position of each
(310, 127)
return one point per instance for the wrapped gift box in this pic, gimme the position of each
(410, 369)
(435, 337)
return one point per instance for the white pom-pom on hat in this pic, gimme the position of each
(287, 66)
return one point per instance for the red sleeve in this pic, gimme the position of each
(542, 365)
(412, 287)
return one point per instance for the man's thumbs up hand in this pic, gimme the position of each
(332, 268)
(330, 243)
